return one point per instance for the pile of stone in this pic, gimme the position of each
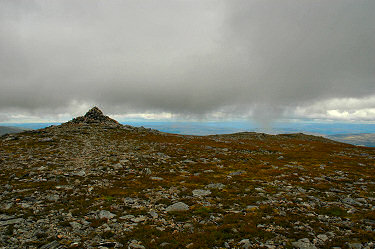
(94, 115)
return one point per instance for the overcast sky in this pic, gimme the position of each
(256, 59)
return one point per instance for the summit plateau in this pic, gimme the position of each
(94, 183)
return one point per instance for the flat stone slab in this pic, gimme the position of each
(304, 244)
(104, 214)
(52, 245)
(177, 207)
(201, 192)
(11, 222)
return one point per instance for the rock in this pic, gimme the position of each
(362, 200)
(54, 244)
(188, 226)
(10, 138)
(215, 186)
(201, 192)
(155, 178)
(104, 214)
(135, 244)
(6, 217)
(46, 139)
(74, 245)
(177, 207)
(355, 245)
(153, 214)
(108, 244)
(139, 219)
(94, 115)
(129, 201)
(245, 243)
(127, 217)
(322, 237)
(80, 173)
(11, 222)
(350, 201)
(75, 225)
(237, 173)
(304, 244)
(53, 197)
(260, 190)
(282, 213)
(7, 206)
(330, 234)
(189, 245)
(147, 171)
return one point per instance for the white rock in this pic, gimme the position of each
(322, 237)
(355, 245)
(201, 192)
(138, 219)
(245, 243)
(177, 207)
(155, 178)
(215, 186)
(304, 244)
(104, 214)
(147, 171)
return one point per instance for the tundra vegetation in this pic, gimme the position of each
(94, 183)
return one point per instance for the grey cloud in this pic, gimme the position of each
(185, 57)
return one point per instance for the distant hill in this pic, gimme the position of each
(10, 129)
(363, 139)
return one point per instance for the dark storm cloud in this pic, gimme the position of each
(184, 57)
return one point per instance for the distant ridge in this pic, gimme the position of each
(361, 139)
(262, 136)
(9, 129)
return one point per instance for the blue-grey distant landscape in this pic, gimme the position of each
(356, 134)
(10, 130)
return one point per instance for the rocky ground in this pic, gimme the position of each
(93, 183)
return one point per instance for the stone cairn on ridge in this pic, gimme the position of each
(94, 116)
